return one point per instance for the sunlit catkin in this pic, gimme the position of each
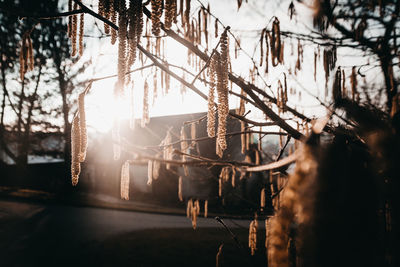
(197, 206)
(189, 207)
(75, 149)
(253, 236)
(222, 89)
(243, 139)
(205, 208)
(125, 180)
(220, 186)
(262, 198)
(194, 213)
(211, 99)
(180, 189)
(82, 124)
(122, 37)
(135, 18)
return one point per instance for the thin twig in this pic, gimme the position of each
(283, 148)
(234, 237)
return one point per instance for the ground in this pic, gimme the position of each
(40, 234)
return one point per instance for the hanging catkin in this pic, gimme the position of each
(189, 206)
(253, 236)
(122, 37)
(106, 14)
(211, 106)
(170, 13)
(180, 189)
(26, 61)
(275, 42)
(262, 198)
(222, 90)
(336, 88)
(220, 186)
(125, 180)
(353, 81)
(156, 12)
(70, 18)
(205, 208)
(192, 211)
(266, 52)
(315, 66)
(216, 28)
(150, 172)
(243, 136)
(344, 90)
(82, 126)
(257, 161)
(73, 31)
(205, 26)
(195, 213)
(75, 149)
(81, 32)
(197, 206)
(199, 23)
(113, 16)
(187, 13)
(262, 46)
(145, 113)
(135, 16)
(167, 82)
(233, 177)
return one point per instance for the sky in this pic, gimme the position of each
(246, 24)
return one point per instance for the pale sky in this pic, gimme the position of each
(245, 24)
